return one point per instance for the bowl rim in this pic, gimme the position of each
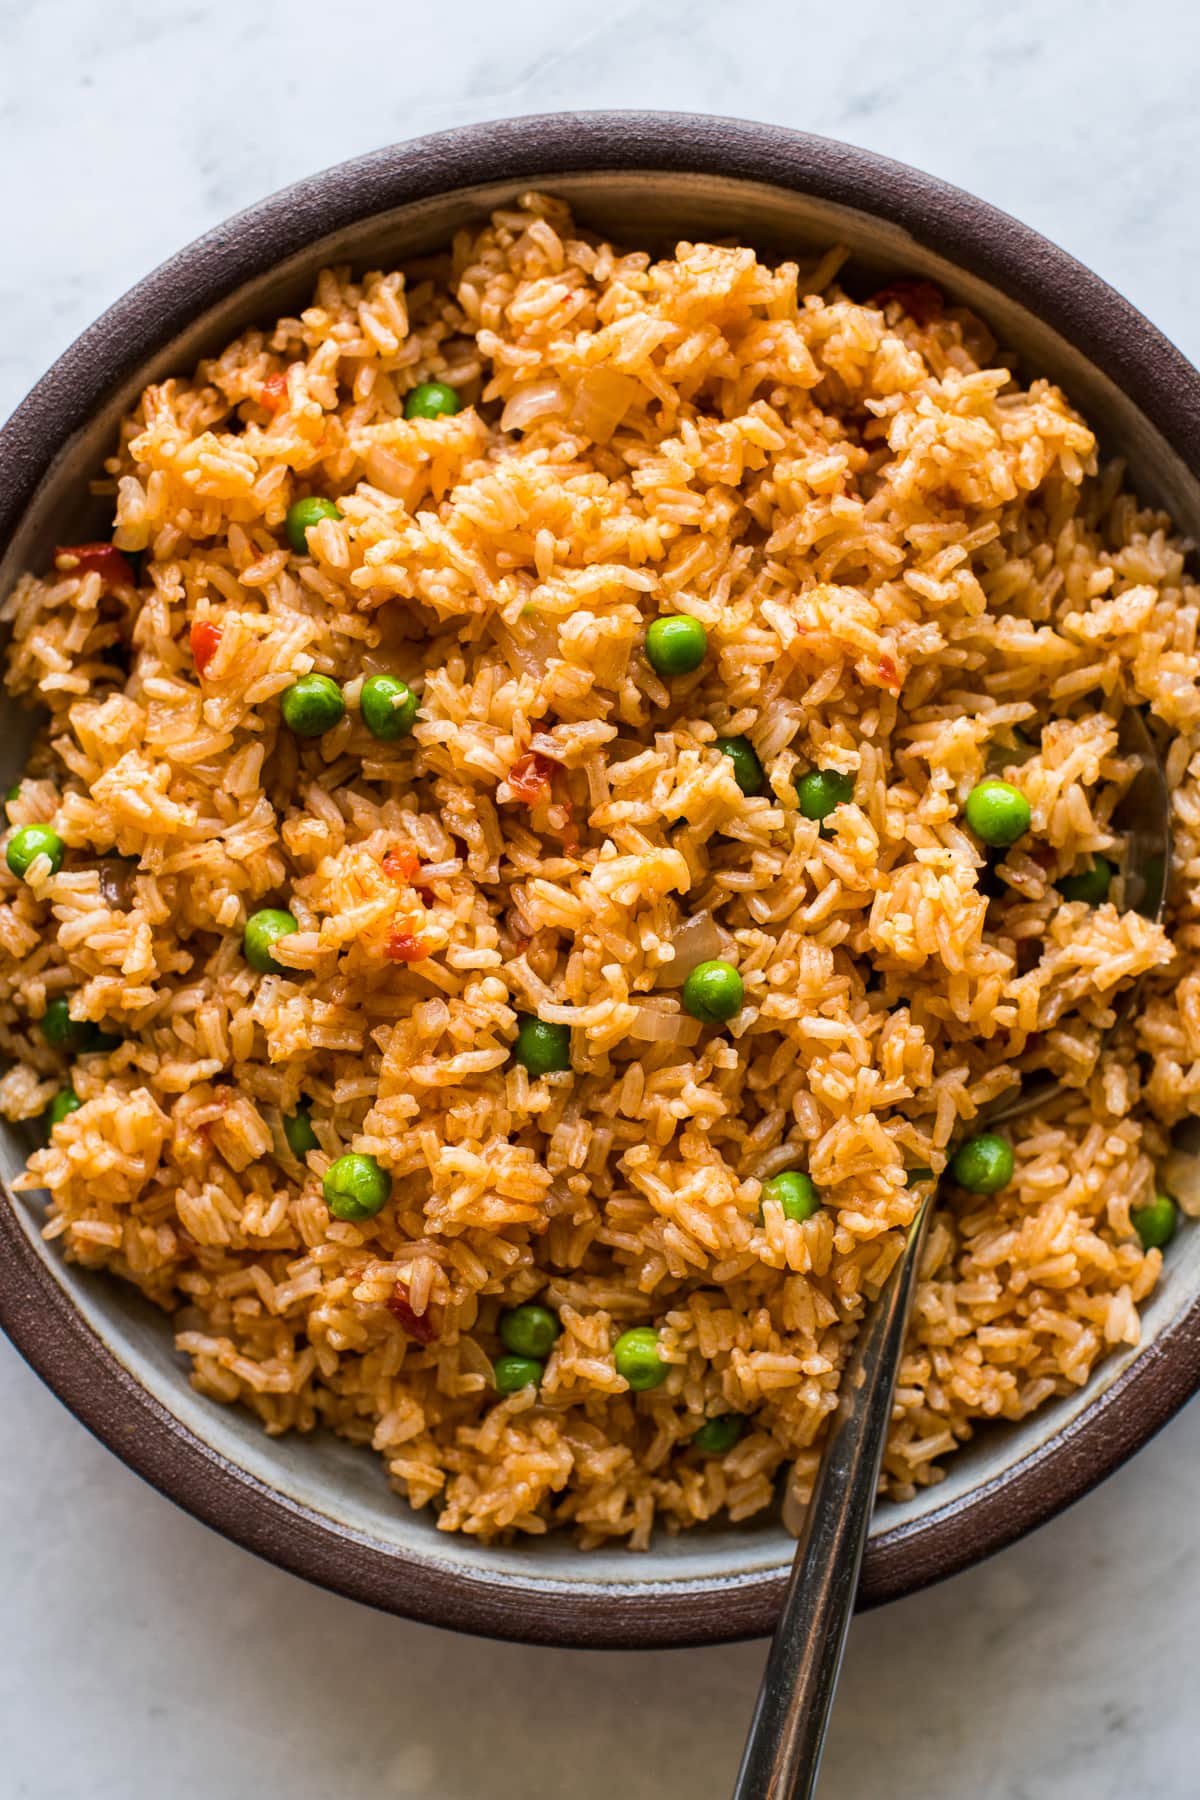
(37, 1312)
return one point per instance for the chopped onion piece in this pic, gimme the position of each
(699, 939)
(534, 641)
(389, 473)
(602, 399)
(539, 400)
(654, 1025)
(596, 771)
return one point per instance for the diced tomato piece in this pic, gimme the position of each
(401, 864)
(405, 946)
(105, 560)
(274, 391)
(417, 1325)
(921, 300)
(529, 777)
(204, 638)
(888, 672)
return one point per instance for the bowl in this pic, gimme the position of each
(318, 1506)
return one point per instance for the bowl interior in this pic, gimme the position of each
(323, 1476)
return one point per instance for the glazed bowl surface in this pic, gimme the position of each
(318, 1506)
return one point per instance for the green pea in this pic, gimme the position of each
(636, 1357)
(60, 1029)
(81, 1035)
(997, 812)
(540, 1047)
(263, 931)
(31, 841)
(821, 792)
(747, 770)
(430, 400)
(355, 1187)
(676, 645)
(717, 1436)
(713, 992)
(65, 1101)
(302, 515)
(915, 1177)
(1090, 884)
(1156, 1223)
(529, 1330)
(793, 1190)
(984, 1164)
(301, 1138)
(312, 705)
(388, 706)
(512, 1373)
(14, 793)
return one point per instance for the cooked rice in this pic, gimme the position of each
(901, 556)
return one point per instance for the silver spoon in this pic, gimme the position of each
(787, 1734)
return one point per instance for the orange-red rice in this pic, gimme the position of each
(901, 557)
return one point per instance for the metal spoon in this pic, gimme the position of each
(787, 1734)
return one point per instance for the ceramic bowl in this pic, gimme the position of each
(319, 1507)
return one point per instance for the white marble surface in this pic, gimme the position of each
(1060, 1670)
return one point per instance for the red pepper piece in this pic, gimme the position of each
(204, 638)
(417, 1325)
(401, 864)
(105, 560)
(529, 777)
(405, 946)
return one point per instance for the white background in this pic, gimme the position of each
(139, 1654)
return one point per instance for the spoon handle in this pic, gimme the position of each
(787, 1733)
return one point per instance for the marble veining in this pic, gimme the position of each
(1060, 1671)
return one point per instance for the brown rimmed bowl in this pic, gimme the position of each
(317, 1506)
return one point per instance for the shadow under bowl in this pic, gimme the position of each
(317, 1506)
